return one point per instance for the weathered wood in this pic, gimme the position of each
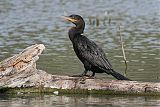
(20, 71)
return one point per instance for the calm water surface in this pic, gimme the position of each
(78, 101)
(26, 22)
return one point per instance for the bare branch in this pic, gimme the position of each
(122, 47)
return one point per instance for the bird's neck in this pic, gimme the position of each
(75, 31)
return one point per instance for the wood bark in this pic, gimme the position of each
(20, 71)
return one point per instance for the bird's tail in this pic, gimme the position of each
(119, 76)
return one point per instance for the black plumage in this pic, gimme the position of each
(89, 53)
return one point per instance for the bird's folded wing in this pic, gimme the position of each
(93, 54)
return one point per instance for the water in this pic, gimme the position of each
(78, 101)
(26, 22)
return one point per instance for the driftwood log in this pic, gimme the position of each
(19, 72)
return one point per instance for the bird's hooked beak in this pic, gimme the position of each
(69, 19)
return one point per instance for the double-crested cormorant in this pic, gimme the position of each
(89, 53)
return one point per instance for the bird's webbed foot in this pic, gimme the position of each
(84, 77)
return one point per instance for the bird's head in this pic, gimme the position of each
(75, 19)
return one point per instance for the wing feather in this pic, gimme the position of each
(92, 53)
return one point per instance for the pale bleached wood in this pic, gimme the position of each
(20, 71)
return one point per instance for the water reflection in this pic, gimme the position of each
(78, 101)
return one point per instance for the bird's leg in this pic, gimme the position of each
(93, 74)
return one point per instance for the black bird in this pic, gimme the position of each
(89, 53)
